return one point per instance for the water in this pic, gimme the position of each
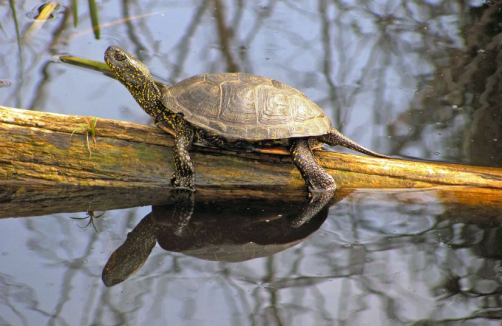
(403, 78)
(379, 257)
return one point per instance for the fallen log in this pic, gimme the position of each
(37, 148)
(45, 169)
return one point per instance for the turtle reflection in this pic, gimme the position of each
(226, 230)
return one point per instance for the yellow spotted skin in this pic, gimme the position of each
(136, 77)
(183, 139)
(232, 110)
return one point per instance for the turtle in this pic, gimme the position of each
(225, 229)
(229, 110)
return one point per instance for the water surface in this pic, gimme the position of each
(406, 78)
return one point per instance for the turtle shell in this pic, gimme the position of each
(245, 106)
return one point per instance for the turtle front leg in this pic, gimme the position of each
(183, 167)
(315, 177)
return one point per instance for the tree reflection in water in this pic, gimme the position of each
(419, 78)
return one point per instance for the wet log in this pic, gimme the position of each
(45, 170)
(37, 148)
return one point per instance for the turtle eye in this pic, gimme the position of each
(120, 57)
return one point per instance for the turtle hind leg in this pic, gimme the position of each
(334, 138)
(317, 202)
(315, 177)
(183, 166)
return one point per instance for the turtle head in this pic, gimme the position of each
(136, 77)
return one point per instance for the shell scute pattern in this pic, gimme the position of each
(238, 105)
(274, 106)
(236, 130)
(244, 106)
(278, 132)
(197, 97)
(217, 79)
(253, 79)
(216, 126)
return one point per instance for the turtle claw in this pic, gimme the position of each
(323, 183)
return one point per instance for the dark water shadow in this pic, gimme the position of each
(229, 229)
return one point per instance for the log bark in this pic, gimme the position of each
(37, 150)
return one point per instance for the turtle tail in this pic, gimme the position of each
(334, 138)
